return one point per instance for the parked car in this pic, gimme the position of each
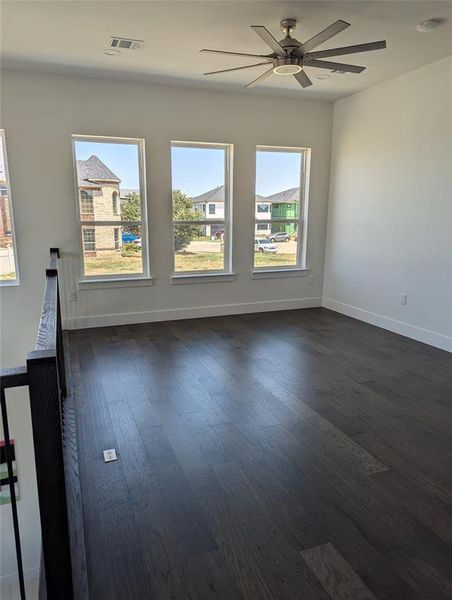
(281, 236)
(128, 237)
(264, 245)
(137, 242)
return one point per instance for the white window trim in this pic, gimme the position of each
(301, 266)
(95, 279)
(16, 281)
(225, 274)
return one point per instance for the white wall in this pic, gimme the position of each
(39, 114)
(390, 206)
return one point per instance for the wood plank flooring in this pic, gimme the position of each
(289, 455)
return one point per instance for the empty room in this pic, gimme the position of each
(226, 300)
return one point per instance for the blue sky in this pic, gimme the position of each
(122, 159)
(277, 171)
(197, 170)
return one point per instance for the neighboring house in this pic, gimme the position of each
(211, 204)
(6, 239)
(283, 205)
(125, 192)
(99, 201)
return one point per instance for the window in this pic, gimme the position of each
(89, 239)
(281, 189)
(86, 203)
(113, 232)
(114, 200)
(117, 239)
(200, 180)
(8, 255)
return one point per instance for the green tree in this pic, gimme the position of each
(183, 211)
(131, 211)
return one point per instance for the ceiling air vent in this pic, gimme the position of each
(119, 43)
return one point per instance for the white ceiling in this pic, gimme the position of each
(69, 37)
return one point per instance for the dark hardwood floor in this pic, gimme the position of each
(289, 455)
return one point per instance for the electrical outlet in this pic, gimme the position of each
(73, 297)
(403, 299)
(110, 455)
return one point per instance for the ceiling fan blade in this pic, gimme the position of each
(333, 66)
(264, 33)
(303, 79)
(260, 78)
(237, 68)
(325, 35)
(237, 53)
(347, 50)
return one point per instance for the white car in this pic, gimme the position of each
(265, 245)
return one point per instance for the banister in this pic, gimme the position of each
(45, 376)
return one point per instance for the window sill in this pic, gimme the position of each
(106, 284)
(9, 282)
(202, 278)
(276, 273)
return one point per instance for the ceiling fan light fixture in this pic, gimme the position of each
(287, 66)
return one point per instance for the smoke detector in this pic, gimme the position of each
(120, 43)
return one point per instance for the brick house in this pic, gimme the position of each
(6, 239)
(99, 197)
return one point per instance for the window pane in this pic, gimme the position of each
(199, 194)
(108, 180)
(277, 206)
(109, 193)
(199, 247)
(7, 258)
(276, 247)
(112, 250)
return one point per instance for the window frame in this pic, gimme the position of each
(226, 221)
(143, 224)
(16, 280)
(302, 220)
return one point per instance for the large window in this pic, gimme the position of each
(111, 199)
(8, 255)
(201, 204)
(280, 208)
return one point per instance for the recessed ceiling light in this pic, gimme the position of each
(323, 76)
(111, 52)
(430, 25)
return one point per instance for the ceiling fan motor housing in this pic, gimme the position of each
(287, 66)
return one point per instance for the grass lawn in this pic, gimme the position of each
(113, 265)
(7, 276)
(185, 261)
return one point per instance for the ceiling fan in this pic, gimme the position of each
(289, 56)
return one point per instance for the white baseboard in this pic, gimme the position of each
(12, 578)
(432, 338)
(173, 314)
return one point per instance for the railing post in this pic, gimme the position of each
(42, 366)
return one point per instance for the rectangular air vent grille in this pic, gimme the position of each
(120, 43)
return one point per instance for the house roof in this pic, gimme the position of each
(217, 195)
(124, 192)
(290, 195)
(92, 172)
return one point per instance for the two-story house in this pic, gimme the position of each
(99, 196)
(282, 205)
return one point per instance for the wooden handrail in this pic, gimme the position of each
(45, 376)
